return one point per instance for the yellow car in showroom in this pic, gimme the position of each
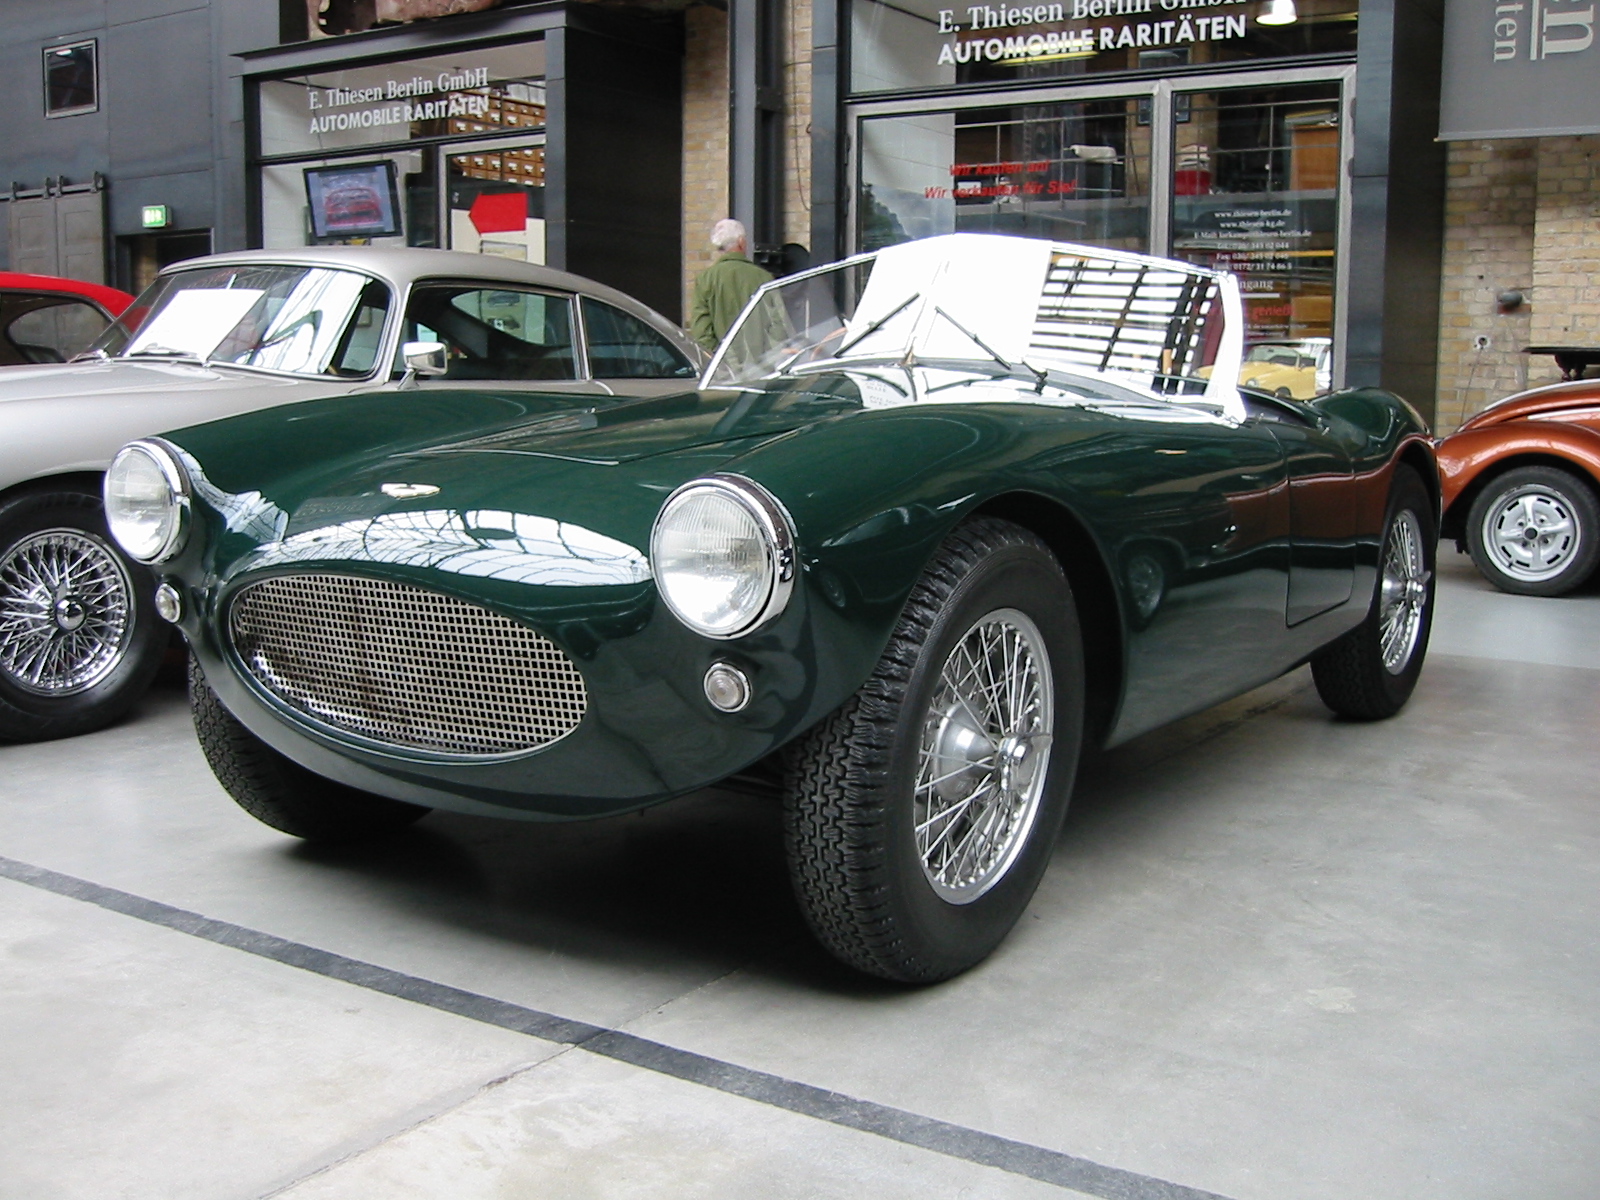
(1297, 369)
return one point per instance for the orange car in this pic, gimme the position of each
(1521, 488)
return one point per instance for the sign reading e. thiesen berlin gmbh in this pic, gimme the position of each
(1519, 68)
(1080, 28)
(449, 94)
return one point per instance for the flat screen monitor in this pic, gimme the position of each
(353, 200)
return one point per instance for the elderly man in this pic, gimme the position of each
(725, 287)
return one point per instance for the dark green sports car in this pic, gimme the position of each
(936, 519)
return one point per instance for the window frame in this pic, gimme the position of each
(93, 45)
(584, 298)
(391, 327)
(580, 343)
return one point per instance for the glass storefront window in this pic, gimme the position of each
(1077, 172)
(917, 44)
(471, 92)
(286, 210)
(495, 192)
(1256, 192)
(473, 186)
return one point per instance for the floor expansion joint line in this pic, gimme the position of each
(912, 1129)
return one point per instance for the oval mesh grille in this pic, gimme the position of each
(405, 666)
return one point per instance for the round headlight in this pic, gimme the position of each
(723, 556)
(147, 501)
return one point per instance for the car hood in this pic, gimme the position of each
(66, 417)
(1552, 400)
(518, 487)
(125, 377)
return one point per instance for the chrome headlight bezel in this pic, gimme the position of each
(178, 503)
(777, 535)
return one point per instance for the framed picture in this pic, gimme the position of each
(353, 200)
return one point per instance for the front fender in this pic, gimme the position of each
(1467, 456)
(897, 483)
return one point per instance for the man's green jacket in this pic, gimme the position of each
(720, 294)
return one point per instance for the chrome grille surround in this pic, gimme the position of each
(408, 669)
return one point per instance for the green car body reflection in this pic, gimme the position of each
(1201, 542)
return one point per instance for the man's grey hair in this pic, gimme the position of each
(727, 233)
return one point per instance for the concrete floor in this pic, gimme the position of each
(1277, 957)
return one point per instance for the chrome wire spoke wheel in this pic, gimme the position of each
(66, 615)
(1403, 596)
(983, 755)
(1532, 534)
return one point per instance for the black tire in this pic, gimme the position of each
(1535, 503)
(1356, 676)
(58, 680)
(851, 784)
(278, 791)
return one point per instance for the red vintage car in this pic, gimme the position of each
(1521, 488)
(44, 319)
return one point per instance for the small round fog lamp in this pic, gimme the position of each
(727, 687)
(169, 603)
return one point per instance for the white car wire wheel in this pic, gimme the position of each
(79, 636)
(1371, 671)
(921, 815)
(986, 732)
(1535, 531)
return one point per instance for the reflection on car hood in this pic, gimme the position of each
(555, 491)
(327, 438)
(549, 491)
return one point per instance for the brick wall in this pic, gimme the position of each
(1520, 214)
(705, 136)
(797, 116)
(1566, 249)
(705, 131)
(1490, 201)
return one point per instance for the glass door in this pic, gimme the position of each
(1255, 189)
(1242, 172)
(493, 195)
(1074, 171)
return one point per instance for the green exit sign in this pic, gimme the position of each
(157, 216)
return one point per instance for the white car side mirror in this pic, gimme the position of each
(424, 358)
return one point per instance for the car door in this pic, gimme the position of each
(1201, 532)
(500, 334)
(1322, 508)
(631, 357)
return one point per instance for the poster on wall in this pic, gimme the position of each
(358, 200)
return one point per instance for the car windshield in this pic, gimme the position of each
(297, 319)
(793, 323)
(1276, 352)
(1026, 308)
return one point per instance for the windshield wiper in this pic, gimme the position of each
(1039, 376)
(878, 324)
(94, 355)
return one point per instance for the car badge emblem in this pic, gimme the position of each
(408, 491)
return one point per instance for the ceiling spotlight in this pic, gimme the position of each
(1278, 12)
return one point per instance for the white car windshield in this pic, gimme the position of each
(1015, 305)
(296, 319)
